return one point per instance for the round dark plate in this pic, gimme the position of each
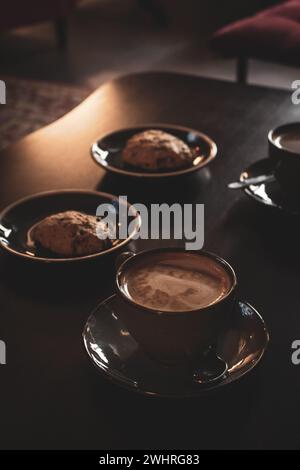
(119, 357)
(269, 194)
(107, 151)
(18, 218)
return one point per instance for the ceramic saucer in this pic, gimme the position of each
(117, 355)
(17, 220)
(269, 194)
(107, 151)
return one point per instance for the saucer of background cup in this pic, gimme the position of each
(119, 358)
(270, 194)
(107, 151)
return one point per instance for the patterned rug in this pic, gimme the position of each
(32, 104)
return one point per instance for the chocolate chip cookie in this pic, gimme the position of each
(71, 234)
(157, 150)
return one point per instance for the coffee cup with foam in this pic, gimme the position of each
(176, 303)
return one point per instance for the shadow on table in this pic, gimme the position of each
(187, 189)
(215, 420)
(57, 281)
(271, 234)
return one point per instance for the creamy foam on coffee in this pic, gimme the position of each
(290, 141)
(176, 282)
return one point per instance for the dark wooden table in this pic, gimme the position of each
(50, 395)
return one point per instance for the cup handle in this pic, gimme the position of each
(123, 257)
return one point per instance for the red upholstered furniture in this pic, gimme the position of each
(16, 13)
(272, 35)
